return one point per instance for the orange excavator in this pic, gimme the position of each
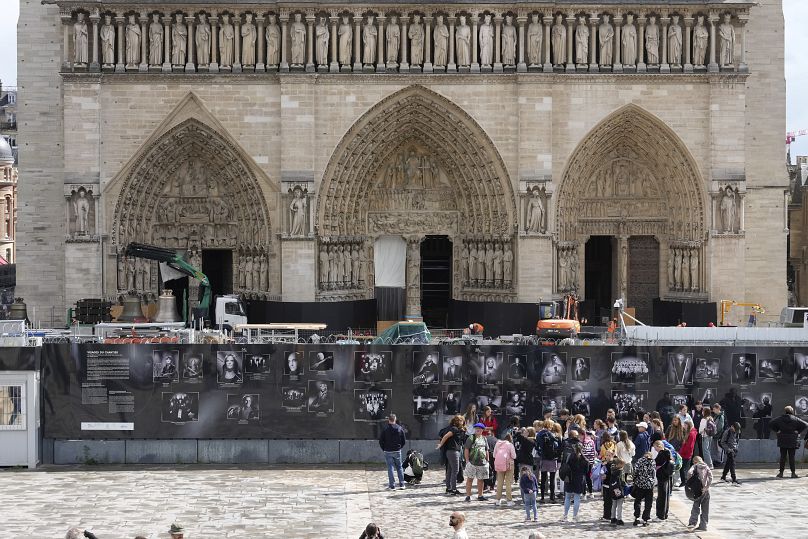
(558, 320)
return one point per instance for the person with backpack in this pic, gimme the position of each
(720, 426)
(642, 490)
(528, 485)
(788, 428)
(574, 469)
(707, 430)
(548, 449)
(524, 443)
(491, 443)
(504, 457)
(604, 470)
(616, 486)
(687, 451)
(451, 443)
(664, 473)
(476, 453)
(729, 443)
(697, 489)
(391, 440)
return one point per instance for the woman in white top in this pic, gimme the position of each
(625, 451)
(471, 418)
(706, 440)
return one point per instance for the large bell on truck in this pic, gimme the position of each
(131, 310)
(167, 308)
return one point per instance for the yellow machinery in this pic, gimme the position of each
(728, 304)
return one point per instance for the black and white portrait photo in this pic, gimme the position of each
(425, 368)
(293, 398)
(488, 396)
(321, 396)
(373, 367)
(166, 366)
(489, 368)
(451, 401)
(229, 367)
(679, 399)
(628, 403)
(293, 365)
(580, 403)
(756, 405)
(243, 408)
(452, 369)
(192, 367)
(681, 367)
(554, 368)
(770, 370)
(800, 369)
(257, 364)
(744, 368)
(580, 369)
(630, 369)
(515, 403)
(801, 405)
(517, 366)
(706, 369)
(371, 404)
(424, 401)
(554, 403)
(181, 407)
(321, 361)
(707, 395)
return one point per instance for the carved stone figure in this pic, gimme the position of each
(356, 262)
(472, 262)
(242, 271)
(393, 35)
(606, 38)
(248, 39)
(464, 264)
(323, 265)
(416, 35)
(179, 41)
(273, 37)
(726, 32)
(264, 274)
(728, 207)
(202, 40)
(363, 264)
(481, 262)
(347, 264)
(248, 269)
(563, 273)
(671, 278)
(257, 273)
(345, 41)
(686, 256)
(298, 37)
(573, 270)
(463, 43)
(370, 36)
(132, 42)
(559, 38)
(297, 213)
(339, 264)
(535, 213)
(441, 38)
(507, 265)
(155, 41)
(80, 40)
(652, 41)
(534, 40)
(81, 208)
(227, 36)
(629, 39)
(509, 42)
(677, 269)
(675, 42)
(489, 263)
(122, 273)
(694, 270)
(498, 264)
(701, 37)
(486, 41)
(107, 41)
(581, 42)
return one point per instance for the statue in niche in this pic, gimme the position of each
(507, 265)
(264, 274)
(509, 42)
(629, 41)
(347, 263)
(472, 262)
(132, 43)
(248, 270)
(370, 36)
(498, 264)
(257, 272)
(356, 262)
(464, 264)
(202, 40)
(606, 38)
(480, 262)
(339, 262)
(573, 269)
(298, 36)
(726, 33)
(441, 38)
(534, 39)
(273, 37)
(363, 264)
(297, 213)
(671, 277)
(581, 41)
(700, 38)
(108, 42)
(675, 42)
(416, 35)
(463, 43)
(155, 41)
(563, 265)
(489, 263)
(323, 265)
(393, 40)
(677, 269)
(486, 41)
(227, 36)
(535, 213)
(345, 41)
(179, 39)
(559, 38)
(242, 276)
(728, 207)
(686, 269)
(80, 40)
(694, 271)
(652, 41)
(81, 210)
(122, 263)
(248, 38)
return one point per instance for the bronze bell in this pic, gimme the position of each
(167, 308)
(131, 310)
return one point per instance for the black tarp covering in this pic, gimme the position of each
(338, 315)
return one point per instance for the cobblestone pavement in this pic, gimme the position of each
(337, 502)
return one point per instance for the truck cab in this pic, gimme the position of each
(793, 317)
(230, 312)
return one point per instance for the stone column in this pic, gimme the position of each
(284, 22)
(213, 67)
(475, 29)
(742, 20)
(641, 67)
(357, 43)
(310, 66)
(237, 42)
(166, 44)
(548, 59)
(617, 65)
(498, 44)
(570, 43)
(451, 66)
(521, 66)
(381, 66)
(3, 231)
(622, 267)
(712, 67)
(67, 22)
(688, 45)
(120, 67)
(94, 65)
(428, 44)
(260, 64)
(413, 275)
(144, 38)
(594, 67)
(664, 66)
(334, 66)
(190, 66)
(404, 66)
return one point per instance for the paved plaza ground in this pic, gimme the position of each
(337, 502)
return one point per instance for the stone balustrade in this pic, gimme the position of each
(445, 38)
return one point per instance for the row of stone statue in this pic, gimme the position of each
(487, 264)
(683, 269)
(342, 265)
(383, 43)
(134, 274)
(253, 272)
(567, 268)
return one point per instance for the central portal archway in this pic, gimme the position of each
(416, 165)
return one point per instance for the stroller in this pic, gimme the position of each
(414, 466)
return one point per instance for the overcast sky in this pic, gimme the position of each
(796, 13)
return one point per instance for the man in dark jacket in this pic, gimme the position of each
(788, 428)
(642, 442)
(391, 440)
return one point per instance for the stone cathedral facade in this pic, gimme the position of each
(613, 149)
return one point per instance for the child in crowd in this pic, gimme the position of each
(607, 445)
(529, 486)
(617, 487)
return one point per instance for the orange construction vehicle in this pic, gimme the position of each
(558, 320)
